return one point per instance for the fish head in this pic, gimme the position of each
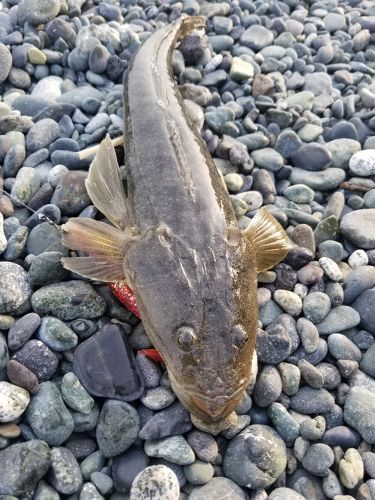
(200, 312)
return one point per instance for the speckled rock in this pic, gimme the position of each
(15, 288)
(22, 465)
(64, 475)
(256, 457)
(159, 481)
(13, 401)
(68, 300)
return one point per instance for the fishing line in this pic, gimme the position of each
(41, 217)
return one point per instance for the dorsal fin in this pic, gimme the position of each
(104, 185)
(269, 240)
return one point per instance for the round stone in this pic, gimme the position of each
(339, 319)
(158, 482)
(316, 306)
(268, 387)
(126, 467)
(255, 458)
(56, 334)
(359, 228)
(362, 163)
(64, 475)
(42, 134)
(289, 301)
(48, 416)
(173, 420)
(309, 401)
(37, 11)
(359, 412)
(283, 493)
(22, 330)
(13, 401)
(118, 427)
(38, 358)
(5, 62)
(22, 466)
(312, 156)
(15, 288)
(318, 459)
(199, 472)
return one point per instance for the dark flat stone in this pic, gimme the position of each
(106, 367)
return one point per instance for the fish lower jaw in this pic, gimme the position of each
(215, 427)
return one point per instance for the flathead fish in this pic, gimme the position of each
(174, 240)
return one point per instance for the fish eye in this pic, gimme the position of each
(186, 337)
(239, 336)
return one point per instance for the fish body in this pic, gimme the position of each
(177, 243)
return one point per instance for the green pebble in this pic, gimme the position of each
(75, 395)
(327, 229)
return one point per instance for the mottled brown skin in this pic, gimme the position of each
(193, 267)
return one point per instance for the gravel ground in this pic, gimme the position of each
(284, 92)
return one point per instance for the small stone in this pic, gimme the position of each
(299, 193)
(102, 482)
(313, 429)
(46, 268)
(20, 332)
(351, 470)
(268, 387)
(316, 306)
(341, 436)
(70, 194)
(318, 459)
(342, 150)
(327, 229)
(359, 228)
(204, 445)
(310, 374)
(290, 378)
(359, 412)
(42, 134)
(342, 348)
(289, 301)
(64, 475)
(331, 269)
(22, 466)
(199, 472)
(173, 420)
(118, 427)
(89, 492)
(313, 156)
(362, 163)
(45, 238)
(160, 483)
(267, 158)
(255, 458)
(283, 422)
(218, 486)
(241, 70)
(320, 180)
(126, 467)
(257, 37)
(37, 11)
(68, 300)
(38, 358)
(13, 401)
(309, 401)
(23, 377)
(5, 62)
(283, 493)
(339, 319)
(309, 334)
(273, 346)
(48, 416)
(175, 449)
(358, 258)
(56, 334)
(74, 395)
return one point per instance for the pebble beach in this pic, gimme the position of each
(283, 92)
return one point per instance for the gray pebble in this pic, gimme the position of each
(64, 475)
(75, 395)
(159, 481)
(118, 427)
(48, 416)
(56, 334)
(318, 459)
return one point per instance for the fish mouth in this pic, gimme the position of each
(207, 407)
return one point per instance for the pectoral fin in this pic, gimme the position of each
(269, 240)
(104, 185)
(105, 245)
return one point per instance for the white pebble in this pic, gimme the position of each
(331, 269)
(157, 482)
(357, 259)
(363, 163)
(301, 290)
(289, 301)
(13, 401)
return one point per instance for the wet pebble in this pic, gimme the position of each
(118, 427)
(318, 459)
(216, 487)
(172, 420)
(20, 332)
(359, 412)
(74, 395)
(126, 466)
(56, 334)
(308, 401)
(158, 398)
